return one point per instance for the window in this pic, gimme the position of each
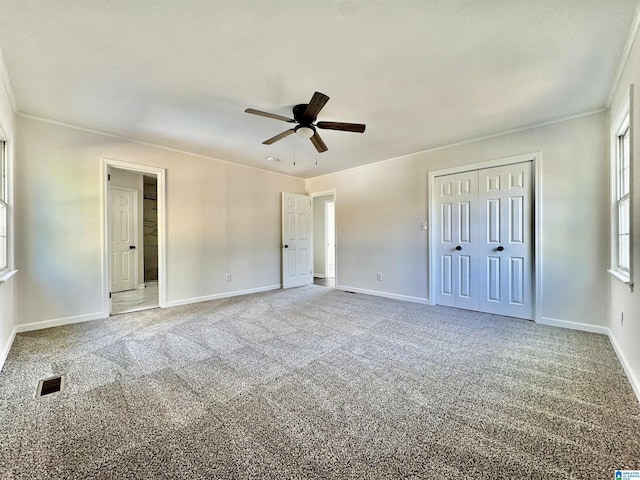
(3, 207)
(621, 151)
(622, 198)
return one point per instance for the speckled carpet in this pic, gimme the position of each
(316, 383)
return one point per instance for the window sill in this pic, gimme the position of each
(623, 278)
(6, 275)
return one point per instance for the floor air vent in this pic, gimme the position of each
(50, 385)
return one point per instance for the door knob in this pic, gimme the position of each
(132, 247)
(286, 246)
(500, 248)
(458, 248)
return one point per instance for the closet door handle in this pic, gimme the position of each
(500, 248)
(458, 248)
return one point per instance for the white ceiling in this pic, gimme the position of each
(419, 73)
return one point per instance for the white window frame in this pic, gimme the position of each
(8, 271)
(4, 205)
(621, 146)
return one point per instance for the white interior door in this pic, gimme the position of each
(505, 218)
(457, 241)
(330, 228)
(297, 240)
(124, 258)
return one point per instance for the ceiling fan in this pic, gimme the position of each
(305, 115)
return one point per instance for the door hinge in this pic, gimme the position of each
(109, 294)
(108, 177)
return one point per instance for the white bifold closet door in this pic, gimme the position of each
(484, 247)
(457, 245)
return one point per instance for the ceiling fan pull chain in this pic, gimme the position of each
(294, 151)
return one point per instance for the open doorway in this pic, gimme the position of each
(324, 240)
(133, 241)
(134, 238)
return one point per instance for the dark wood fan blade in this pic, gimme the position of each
(280, 136)
(318, 143)
(318, 101)
(269, 115)
(346, 127)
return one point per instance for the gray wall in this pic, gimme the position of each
(380, 208)
(221, 218)
(623, 300)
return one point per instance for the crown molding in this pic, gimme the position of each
(4, 77)
(148, 144)
(472, 140)
(624, 58)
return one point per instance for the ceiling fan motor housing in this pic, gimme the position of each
(298, 115)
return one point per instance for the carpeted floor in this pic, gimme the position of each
(316, 383)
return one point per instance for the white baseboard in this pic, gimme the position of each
(318, 275)
(633, 379)
(585, 327)
(57, 322)
(4, 353)
(217, 296)
(377, 293)
(141, 286)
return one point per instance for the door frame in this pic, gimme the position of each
(324, 193)
(136, 273)
(535, 158)
(326, 239)
(160, 175)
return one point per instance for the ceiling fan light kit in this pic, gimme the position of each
(305, 132)
(305, 115)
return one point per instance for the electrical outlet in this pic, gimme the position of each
(423, 225)
(228, 277)
(379, 276)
